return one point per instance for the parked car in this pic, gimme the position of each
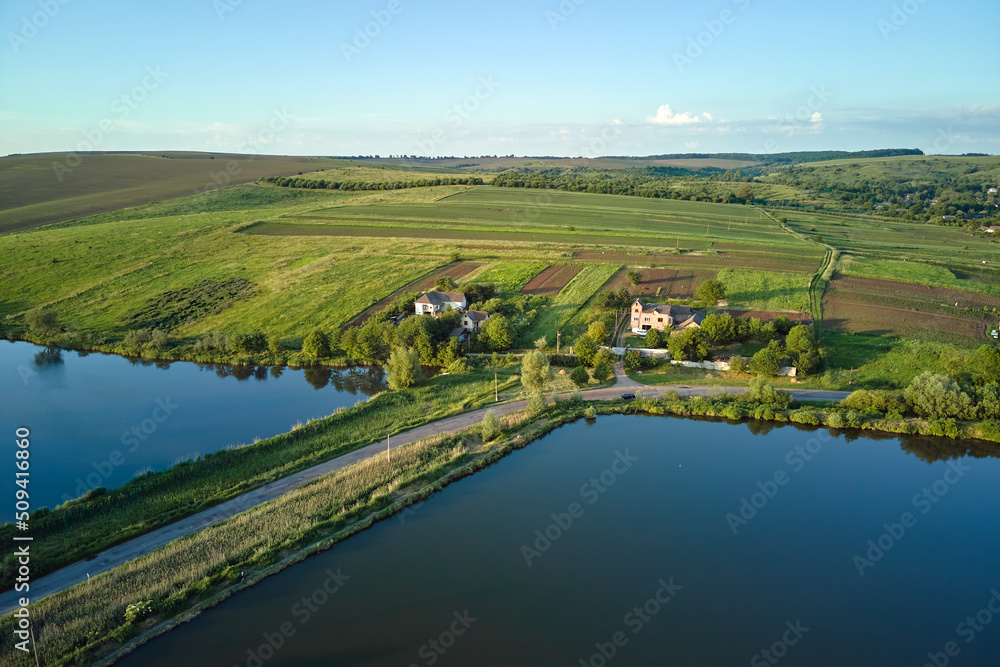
(628, 396)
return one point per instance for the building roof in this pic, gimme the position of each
(440, 298)
(477, 315)
(676, 312)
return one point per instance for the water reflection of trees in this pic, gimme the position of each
(931, 448)
(48, 357)
(367, 380)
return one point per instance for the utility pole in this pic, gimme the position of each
(388, 457)
(558, 337)
(496, 388)
(34, 644)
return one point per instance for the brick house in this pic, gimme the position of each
(438, 302)
(646, 316)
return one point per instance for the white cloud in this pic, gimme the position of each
(666, 116)
(817, 117)
(691, 144)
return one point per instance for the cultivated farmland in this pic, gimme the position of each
(551, 281)
(856, 304)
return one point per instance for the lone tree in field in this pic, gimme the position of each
(634, 276)
(316, 345)
(744, 192)
(535, 371)
(580, 376)
(445, 284)
(404, 368)
(41, 321)
(711, 292)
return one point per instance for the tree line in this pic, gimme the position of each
(324, 184)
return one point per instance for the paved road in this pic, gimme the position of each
(122, 553)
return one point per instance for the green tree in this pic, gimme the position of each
(985, 365)
(499, 333)
(536, 404)
(445, 284)
(711, 292)
(490, 426)
(744, 192)
(761, 391)
(316, 345)
(41, 320)
(765, 362)
(933, 395)
(404, 368)
(654, 339)
(598, 331)
(634, 276)
(541, 343)
(720, 328)
(689, 344)
(632, 360)
(585, 348)
(274, 345)
(603, 370)
(535, 371)
(580, 376)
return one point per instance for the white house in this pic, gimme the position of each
(473, 319)
(433, 303)
(646, 316)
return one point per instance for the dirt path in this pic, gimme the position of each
(78, 572)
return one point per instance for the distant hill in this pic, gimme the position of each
(42, 188)
(778, 158)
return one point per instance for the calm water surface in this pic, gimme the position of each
(449, 582)
(97, 420)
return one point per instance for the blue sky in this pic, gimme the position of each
(528, 77)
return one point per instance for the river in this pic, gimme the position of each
(98, 419)
(648, 541)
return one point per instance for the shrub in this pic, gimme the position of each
(632, 360)
(458, 367)
(585, 348)
(212, 341)
(248, 343)
(761, 391)
(41, 320)
(316, 345)
(872, 401)
(835, 420)
(932, 395)
(535, 371)
(590, 412)
(536, 404)
(489, 426)
(580, 376)
(654, 339)
(805, 416)
(853, 419)
(138, 610)
(765, 362)
(603, 371)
